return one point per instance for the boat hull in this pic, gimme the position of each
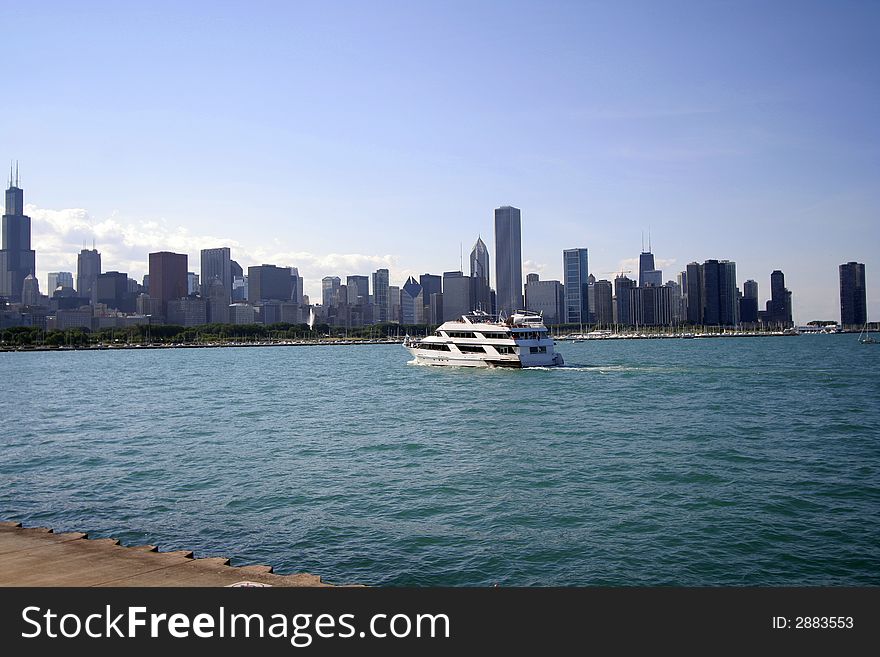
(425, 357)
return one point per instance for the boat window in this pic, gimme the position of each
(461, 334)
(471, 349)
(538, 350)
(504, 349)
(496, 336)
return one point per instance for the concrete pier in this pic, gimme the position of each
(36, 556)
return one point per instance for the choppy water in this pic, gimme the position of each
(684, 462)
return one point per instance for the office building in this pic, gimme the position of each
(853, 295)
(269, 283)
(646, 264)
(456, 297)
(17, 258)
(546, 298)
(623, 299)
(30, 291)
(604, 309)
(393, 303)
(330, 290)
(482, 291)
(576, 279)
(216, 264)
(380, 295)
(111, 289)
(778, 309)
(748, 304)
(58, 279)
(167, 277)
(693, 281)
(88, 266)
(508, 260)
(186, 311)
(412, 305)
(358, 288)
(217, 299)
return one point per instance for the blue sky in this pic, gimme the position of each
(339, 137)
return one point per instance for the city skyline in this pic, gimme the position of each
(739, 131)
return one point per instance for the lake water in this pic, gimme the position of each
(742, 461)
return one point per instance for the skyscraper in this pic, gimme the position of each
(604, 311)
(711, 293)
(779, 305)
(853, 295)
(622, 287)
(358, 290)
(728, 303)
(748, 305)
(17, 259)
(456, 295)
(380, 294)
(481, 292)
(329, 290)
(546, 298)
(576, 279)
(216, 265)
(56, 278)
(412, 308)
(646, 264)
(694, 282)
(508, 259)
(480, 261)
(167, 277)
(269, 283)
(111, 289)
(88, 267)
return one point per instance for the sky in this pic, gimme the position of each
(340, 137)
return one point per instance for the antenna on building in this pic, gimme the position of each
(643, 241)
(649, 239)
(10, 173)
(461, 257)
(17, 180)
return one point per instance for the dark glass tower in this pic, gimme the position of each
(853, 298)
(508, 260)
(17, 259)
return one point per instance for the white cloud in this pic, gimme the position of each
(533, 267)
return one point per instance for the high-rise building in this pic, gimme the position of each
(694, 282)
(711, 293)
(192, 283)
(650, 305)
(604, 311)
(217, 298)
(591, 298)
(269, 283)
(653, 277)
(167, 277)
(393, 303)
(778, 309)
(30, 291)
(728, 302)
(546, 298)
(59, 278)
(646, 264)
(297, 293)
(482, 292)
(88, 266)
(748, 305)
(380, 294)
(17, 258)
(217, 265)
(456, 295)
(508, 260)
(675, 316)
(576, 279)
(480, 261)
(329, 290)
(358, 290)
(853, 295)
(412, 306)
(111, 289)
(622, 287)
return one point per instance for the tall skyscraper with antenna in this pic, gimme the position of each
(17, 258)
(647, 273)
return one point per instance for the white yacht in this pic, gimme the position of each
(481, 340)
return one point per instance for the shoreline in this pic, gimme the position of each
(356, 341)
(37, 556)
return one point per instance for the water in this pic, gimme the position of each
(679, 462)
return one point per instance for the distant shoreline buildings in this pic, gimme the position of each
(704, 293)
